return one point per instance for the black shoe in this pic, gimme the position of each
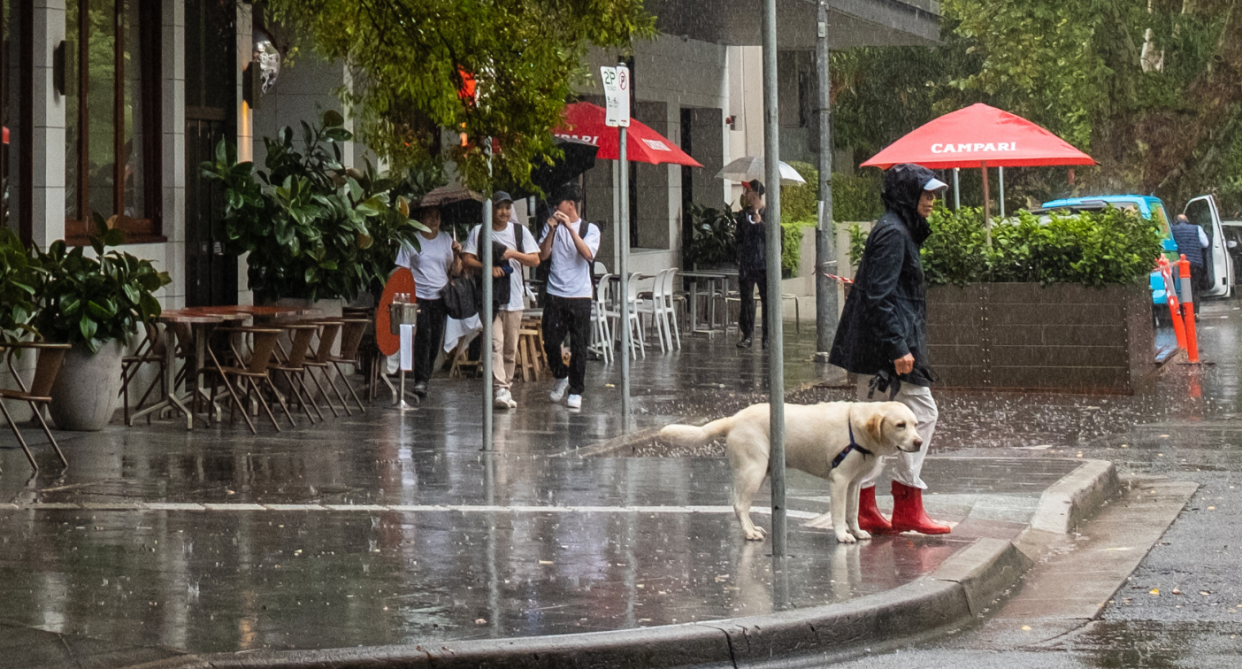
(420, 390)
(745, 342)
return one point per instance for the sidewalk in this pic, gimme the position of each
(393, 532)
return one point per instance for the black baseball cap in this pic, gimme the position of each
(755, 185)
(500, 197)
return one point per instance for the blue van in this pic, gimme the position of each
(1201, 211)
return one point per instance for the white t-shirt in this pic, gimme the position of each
(570, 274)
(506, 237)
(430, 266)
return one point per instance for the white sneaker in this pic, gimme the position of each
(504, 399)
(558, 391)
(574, 402)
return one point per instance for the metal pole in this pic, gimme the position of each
(1001, 172)
(623, 167)
(987, 222)
(957, 190)
(825, 240)
(776, 338)
(486, 315)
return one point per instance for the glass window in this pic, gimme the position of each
(1158, 215)
(112, 133)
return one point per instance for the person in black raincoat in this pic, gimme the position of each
(882, 338)
(752, 262)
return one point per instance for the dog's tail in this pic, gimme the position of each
(690, 435)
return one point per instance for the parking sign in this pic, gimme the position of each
(616, 82)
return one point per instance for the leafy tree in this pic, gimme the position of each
(410, 58)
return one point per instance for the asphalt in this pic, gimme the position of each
(389, 539)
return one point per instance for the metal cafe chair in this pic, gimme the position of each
(38, 394)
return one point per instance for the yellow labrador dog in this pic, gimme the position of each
(837, 441)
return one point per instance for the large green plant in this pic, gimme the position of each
(94, 299)
(307, 222)
(713, 239)
(1109, 247)
(19, 274)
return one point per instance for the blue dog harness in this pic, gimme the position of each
(849, 422)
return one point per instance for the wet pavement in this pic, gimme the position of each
(391, 528)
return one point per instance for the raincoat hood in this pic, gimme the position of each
(903, 186)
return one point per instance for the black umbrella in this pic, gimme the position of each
(579, 157)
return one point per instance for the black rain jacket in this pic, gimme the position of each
(885, 315)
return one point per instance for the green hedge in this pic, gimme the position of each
(1110, 247)
(854, 198)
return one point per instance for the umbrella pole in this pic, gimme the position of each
(987, 222)
(1000, 173)
(957, 189)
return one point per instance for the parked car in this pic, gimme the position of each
(1233, 244)
(1201, 211)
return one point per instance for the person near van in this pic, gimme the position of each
(752, 262)
(437, 258)
(882, 338)
(1192, 242)
(519, 249)
(570, 244)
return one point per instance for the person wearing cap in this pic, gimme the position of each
(882, 338)
(1191, 242)
(570, 244)
(437, 258)
(513, 246)
(752, 263)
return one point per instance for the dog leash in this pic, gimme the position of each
(849, 422)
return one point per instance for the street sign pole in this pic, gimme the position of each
(484, 250)
(616, 82)
(825, 239)
(776, 338)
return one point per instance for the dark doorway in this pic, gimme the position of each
(210, 116)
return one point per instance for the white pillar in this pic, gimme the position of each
(47, 136)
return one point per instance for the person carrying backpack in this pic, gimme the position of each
(571, 244)
(514, 247)
(437, 259)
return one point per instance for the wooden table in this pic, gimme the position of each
(201, 320)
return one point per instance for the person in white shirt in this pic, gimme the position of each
(520, 249)
(571, 244)
(437, 258)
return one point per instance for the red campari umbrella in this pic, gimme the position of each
(585, 122)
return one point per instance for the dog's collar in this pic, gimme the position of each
(849, 422)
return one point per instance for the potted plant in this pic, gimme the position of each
(18, 274)
(96, 303)
(308, 223)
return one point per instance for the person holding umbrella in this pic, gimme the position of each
(882, 337)
(437, 259)
(752, 265)
(570, 244)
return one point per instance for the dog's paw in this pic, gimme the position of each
(846, 538)
(861, 535)
(755, 534)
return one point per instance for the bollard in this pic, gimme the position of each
(1188, 312)
(1170, 291)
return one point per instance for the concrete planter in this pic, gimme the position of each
(86, 393)
(1023, 336)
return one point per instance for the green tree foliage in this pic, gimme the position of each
(409, 59)
(1148, 89)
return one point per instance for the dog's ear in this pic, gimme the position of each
(875, 427)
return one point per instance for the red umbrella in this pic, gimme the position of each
(980, 136)
(976, 136)
(585, 122)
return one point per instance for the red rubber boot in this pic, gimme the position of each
(908, 514)
(869, 517)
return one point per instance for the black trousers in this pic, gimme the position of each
(746, 282)
(431, 319)
(567, 316)
(1198, 275)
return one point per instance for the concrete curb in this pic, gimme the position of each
(955, 595)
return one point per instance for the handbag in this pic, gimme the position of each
(461, 297)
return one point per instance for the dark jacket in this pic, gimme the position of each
(752, 244)
(1188, 243)
(885, 316)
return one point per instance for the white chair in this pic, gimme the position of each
(670, 299)
(654, 307)
(634, 324)
(601, 333)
